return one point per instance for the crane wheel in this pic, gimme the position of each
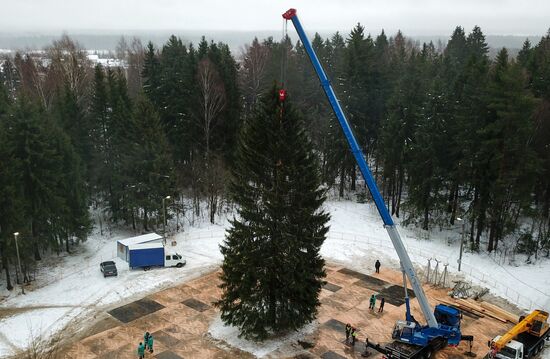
(428, 353)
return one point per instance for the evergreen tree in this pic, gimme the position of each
(506, 147)
(272, 271)
(149, 165)
(175, 91)
(100, 123)
(151, 74)
(4, 96)
(470, 113)
(524, 55)
(428, 151)
(10, 205)
(403, 112)
(540, 68)
(74, 122)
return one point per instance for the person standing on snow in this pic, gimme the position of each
(372, 302)
(141, 350)
(150, 343)
(382, 302)
(377, 266)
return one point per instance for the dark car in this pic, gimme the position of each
(108, 269)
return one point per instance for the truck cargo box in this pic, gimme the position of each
(146, 255)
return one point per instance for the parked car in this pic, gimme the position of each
(108, 269)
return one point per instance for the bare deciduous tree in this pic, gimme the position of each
(31, 76)
(255, 59)
(69, 66)
(212, 99)
(136, 56)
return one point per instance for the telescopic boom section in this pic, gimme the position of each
(406, 263)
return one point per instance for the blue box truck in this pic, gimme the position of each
(147, 255)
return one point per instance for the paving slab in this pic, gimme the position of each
(196, 304)
(335, 324)
(372, 283)
(332, 355)
(332, 287)
(165, 338)
(354, 274)
(394, 295)
(168, 355)
(138, 309)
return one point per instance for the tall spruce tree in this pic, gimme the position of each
(272, 271)
(149, 165)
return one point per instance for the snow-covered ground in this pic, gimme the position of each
(74, 288)
(77, 288)
(285, 345)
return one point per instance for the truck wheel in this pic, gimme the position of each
(428, 353)
(146, 268)
(179, 265)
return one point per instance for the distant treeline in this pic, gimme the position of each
(449, 133)
(236, 40)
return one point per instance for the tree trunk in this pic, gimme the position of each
(145, 219)
(342, 178)
(454, 203)
(473, 218)
(6, 264)
(67, 243)
(399, 192)
(37, 256)
(492, 235)
(426, 223)
(353, 177)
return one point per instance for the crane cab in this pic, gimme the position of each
(403, 331)
(512, 350)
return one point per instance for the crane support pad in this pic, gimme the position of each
(394, 295)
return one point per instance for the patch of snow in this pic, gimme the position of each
(286, 344)
(357, 237)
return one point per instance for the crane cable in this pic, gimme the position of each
(282, 91)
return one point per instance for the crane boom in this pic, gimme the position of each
(406, 264)
(535, 323)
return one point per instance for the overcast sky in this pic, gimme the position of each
(414, 17)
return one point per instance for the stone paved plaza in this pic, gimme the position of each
(179, 319)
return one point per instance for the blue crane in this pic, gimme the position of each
(447, 330)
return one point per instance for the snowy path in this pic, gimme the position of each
(74, 288)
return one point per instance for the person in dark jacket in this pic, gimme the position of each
(145, 339)
(382, 302)
(348, 332)
(377, 266)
